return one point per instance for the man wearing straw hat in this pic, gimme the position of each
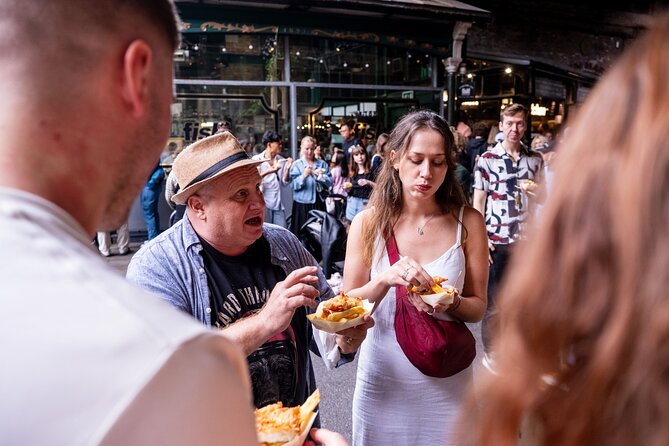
(223, 265)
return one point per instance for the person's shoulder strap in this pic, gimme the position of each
(458, 237)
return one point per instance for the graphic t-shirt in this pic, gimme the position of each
(239, 287)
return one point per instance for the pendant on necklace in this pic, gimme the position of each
(420, 230)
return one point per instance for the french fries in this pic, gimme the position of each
(277, 425)
(435, 289)
(340, 308)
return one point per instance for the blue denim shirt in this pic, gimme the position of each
(171, 266)
(304, 189)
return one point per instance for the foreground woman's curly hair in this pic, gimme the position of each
(588, 297)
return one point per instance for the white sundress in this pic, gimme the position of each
(393, 402)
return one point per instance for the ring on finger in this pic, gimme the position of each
(431, 312)
(405, 274)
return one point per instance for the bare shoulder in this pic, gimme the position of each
(361, 218)
(474, 223)
(472, 216)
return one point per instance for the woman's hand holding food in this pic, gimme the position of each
(349, 340)
(407, 272)
(421, 305)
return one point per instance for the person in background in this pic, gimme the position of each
(360, 182)
(122, 240)
(347, 132)
(309, 177)
(379, 153)
(462, 175)
(493, 138)
(222, 126)
(149, 200)
(477, 145)
(417, 201)
(170, 154)
(247, 146)
(581, 359)
(253, 281)
(500, 196)
(275, 173)
(339, 172)
(87, 357)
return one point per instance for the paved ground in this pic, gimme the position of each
(336, 386)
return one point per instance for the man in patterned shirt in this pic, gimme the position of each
(500, 195)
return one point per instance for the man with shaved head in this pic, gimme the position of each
(88, 358)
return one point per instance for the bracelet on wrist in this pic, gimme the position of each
(455, 305)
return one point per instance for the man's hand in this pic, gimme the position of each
(289, 295)
(326, 437)
(349, 340)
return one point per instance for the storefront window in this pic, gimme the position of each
(228, 56)
(315, 59)
(250, 111)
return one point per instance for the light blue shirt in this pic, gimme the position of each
(304, 189)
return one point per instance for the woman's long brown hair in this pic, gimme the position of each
(586, 298)
(386, 198)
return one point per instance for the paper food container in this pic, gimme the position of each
(439, 298)
(299, 440)
(335, 327)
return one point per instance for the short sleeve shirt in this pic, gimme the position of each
(271, 184)
(240, 286)
(498, 174)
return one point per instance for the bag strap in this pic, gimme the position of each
(391, 247)
(394, 257)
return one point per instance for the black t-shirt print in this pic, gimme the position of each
(239, 286)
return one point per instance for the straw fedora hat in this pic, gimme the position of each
(206, 160)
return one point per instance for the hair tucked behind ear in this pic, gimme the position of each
(386, 198)
(589, 300)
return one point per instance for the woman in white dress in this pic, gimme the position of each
(419, 201)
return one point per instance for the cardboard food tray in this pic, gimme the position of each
(438, 298)
(335, 327)
(299, 440)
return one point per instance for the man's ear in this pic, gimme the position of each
(196, 204)
(137, 61)
(500, 126)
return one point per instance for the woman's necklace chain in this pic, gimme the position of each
(419, 229)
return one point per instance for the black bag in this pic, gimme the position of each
(322, 191)
(324, 236)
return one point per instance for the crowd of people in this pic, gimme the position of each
(558, 290)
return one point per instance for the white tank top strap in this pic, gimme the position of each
(458, 237)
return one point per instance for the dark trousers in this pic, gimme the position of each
(500, 257)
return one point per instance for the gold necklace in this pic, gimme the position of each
(419, 229)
